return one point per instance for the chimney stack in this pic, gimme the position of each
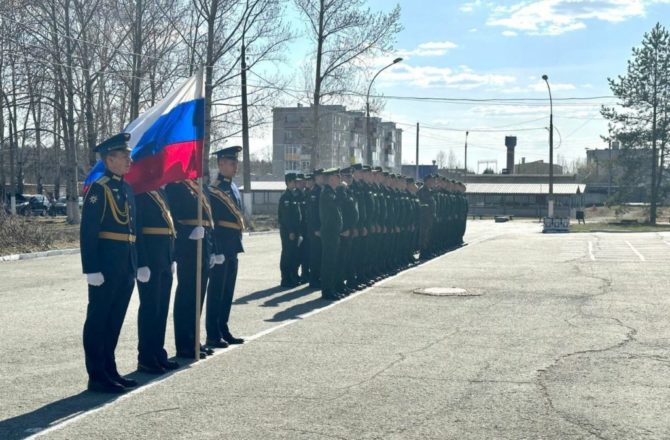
(510, 143)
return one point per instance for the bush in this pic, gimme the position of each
(18, 234)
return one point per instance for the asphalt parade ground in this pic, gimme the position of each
(551, 336)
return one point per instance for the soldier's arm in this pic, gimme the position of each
(91, 217)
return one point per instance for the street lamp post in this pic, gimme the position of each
(368, 151)
(551, 150)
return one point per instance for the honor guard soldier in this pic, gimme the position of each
(331, 227)
(155, 253)
(183, 198)
(229, 224)
(303, 242)
(290, 220)
(109, 260)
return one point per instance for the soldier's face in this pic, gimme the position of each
(118, 162)
(228, 167)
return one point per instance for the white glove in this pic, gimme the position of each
(198, 233)
(95, 279)
(220, 258)
(143, 274)
(173, 268)
(212, 261)
(299, 240)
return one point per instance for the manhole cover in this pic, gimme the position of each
(444, 291)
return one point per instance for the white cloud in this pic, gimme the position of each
(429, 49)
(541, 86)
(509, 34)
(462, 78)
(470, 6)
(555, 17)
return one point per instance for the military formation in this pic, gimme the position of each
(344, 230)
(150, 238)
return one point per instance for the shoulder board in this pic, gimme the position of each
(102, 180)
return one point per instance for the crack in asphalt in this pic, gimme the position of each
(606, 284)
(305, 431)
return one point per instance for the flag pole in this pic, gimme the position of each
(198, 264)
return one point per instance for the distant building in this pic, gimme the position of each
(342, 139)
(536, 167)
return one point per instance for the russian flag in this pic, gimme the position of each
(166, 140)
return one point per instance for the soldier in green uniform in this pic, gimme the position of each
(331, 228)
(290, 219)
(347, 202)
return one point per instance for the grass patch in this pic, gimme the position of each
(607, 227)
(20, 234)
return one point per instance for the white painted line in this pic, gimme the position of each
(666, 242)
(640, 256)
(217, 353)
(591, 255)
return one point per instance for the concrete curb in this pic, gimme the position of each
(56, 252)
(32, 255)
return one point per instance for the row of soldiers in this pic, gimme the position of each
(148, 238)
(343, 230)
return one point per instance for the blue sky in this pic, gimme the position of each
(482, 49)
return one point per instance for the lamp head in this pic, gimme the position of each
(545, 77)
(397, 60)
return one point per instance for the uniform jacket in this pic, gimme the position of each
(347, 203)
(155, 231)
(329, 211)
(183, 200)
(289, 213)
(313, 214)
(107, 233)
(228, 217)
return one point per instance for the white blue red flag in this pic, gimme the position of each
(166, 140)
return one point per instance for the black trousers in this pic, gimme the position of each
(107, 305)
(290, 258)
(315, 250)
(303, 252)
(185, 299)
(330, 244)
(152, 315)
(220, 298)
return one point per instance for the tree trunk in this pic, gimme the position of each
(137, 63)
(315, 153)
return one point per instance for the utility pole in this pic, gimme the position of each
(465, 171)
(550, 212)
(609, 178)
(417, 152)
(246, 156)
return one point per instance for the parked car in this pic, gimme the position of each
(59, 207)
(38, 204)
(21, 203)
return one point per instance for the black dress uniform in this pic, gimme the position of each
(229, 225)
(183, 198)
(107, 239)
(290, 221)
(155, 250)
(331, 227)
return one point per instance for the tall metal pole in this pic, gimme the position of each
(246, 156)
(551, 149)
(368, 151)
(465, 171)
(417, 152)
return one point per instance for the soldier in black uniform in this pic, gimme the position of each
(314, 230)
(229, 222)
(155, 252)
(290, 219)
(347, 203)
(304, 248)
(109, 260)
(183, 198)
(331, 227)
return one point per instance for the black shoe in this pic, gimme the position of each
(329, 296)
(150, 368)
(168, 364)
(216, 344)
(106, 386)
(208, 351)
(232, 340)
(190, 355)
(126, 383)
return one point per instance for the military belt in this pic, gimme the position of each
(157, 231)
(194, 222)
(117, 236)
(228, 225)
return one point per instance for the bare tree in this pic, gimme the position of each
(343, 32)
